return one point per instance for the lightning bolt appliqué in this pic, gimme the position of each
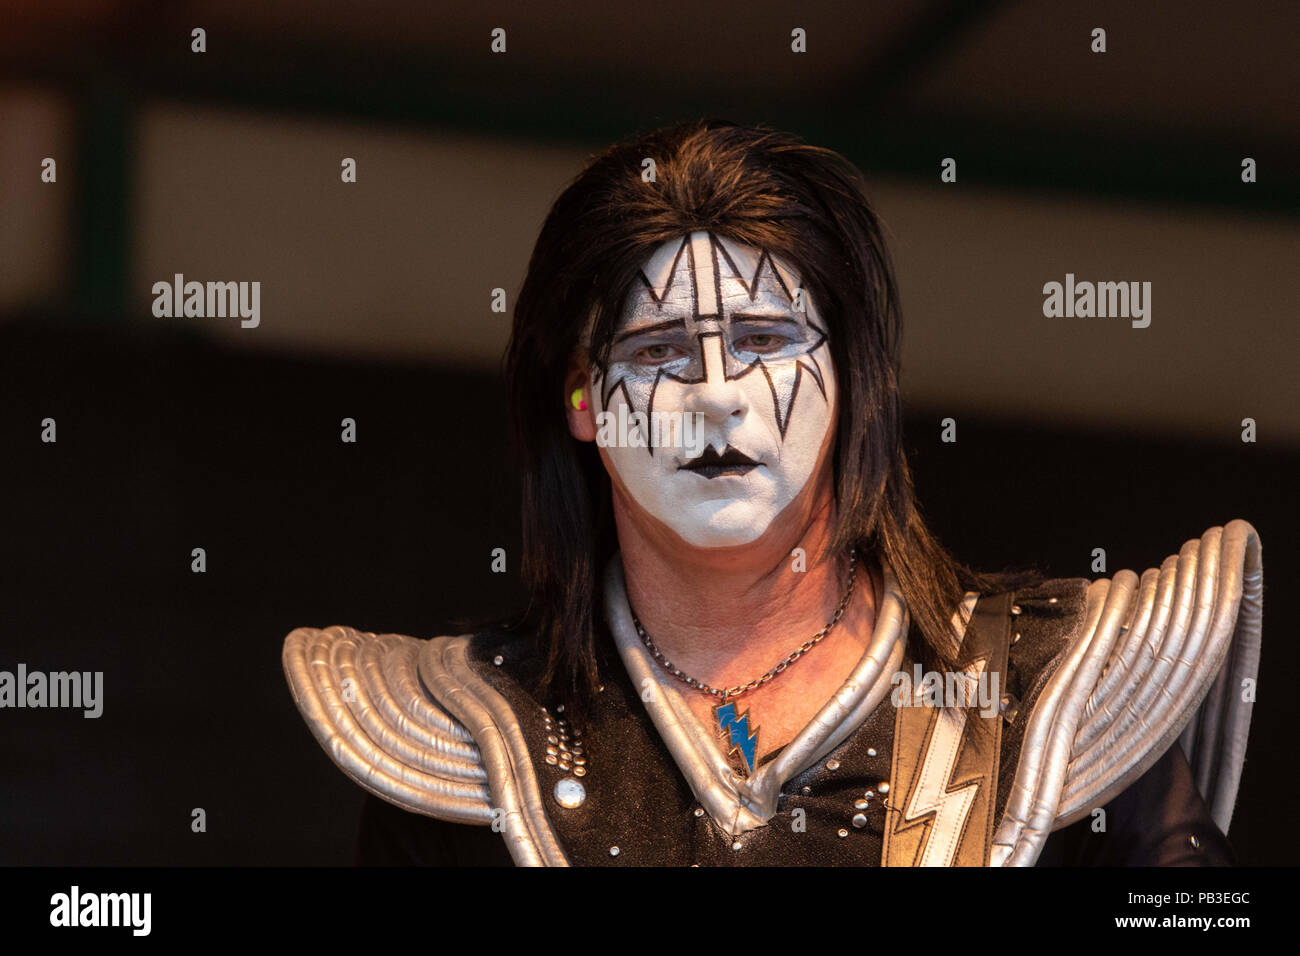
(931, 794)
(737, 727)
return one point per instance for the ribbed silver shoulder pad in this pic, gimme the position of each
(411, 722)
(361, 696)
(1172, 654)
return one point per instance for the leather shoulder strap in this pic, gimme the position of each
(944, 776)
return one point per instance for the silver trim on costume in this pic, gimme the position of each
(393, 711)
(445, 669)
(734, 803)
(1153, 658)
(360, 696)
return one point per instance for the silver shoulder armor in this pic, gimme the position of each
(410, 722)
(360, 695)
(1170, 655)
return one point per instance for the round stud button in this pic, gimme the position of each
(570, 794)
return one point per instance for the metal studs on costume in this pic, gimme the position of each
(699, 811)
(882, 787)
(560, 753)
(1195, 841)
(871, 751)
(843, 832)
(498, 660)
(1010, 706)
(570, 794)
(832, 765)
(865, 803)
(1016, 609)
(737, 845)
(806, 791)
(613, 851)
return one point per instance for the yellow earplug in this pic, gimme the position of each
(578, 401)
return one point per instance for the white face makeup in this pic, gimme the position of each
(715, 330)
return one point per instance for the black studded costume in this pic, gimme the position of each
(1117, 739)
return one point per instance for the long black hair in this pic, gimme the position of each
(770, 190)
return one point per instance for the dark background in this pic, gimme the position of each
(181, 434)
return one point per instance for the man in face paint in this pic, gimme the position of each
(704, 718)
(720, 337)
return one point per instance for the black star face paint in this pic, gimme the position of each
(721, 349)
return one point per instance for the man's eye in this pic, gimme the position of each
(761, 343)
(657, 354)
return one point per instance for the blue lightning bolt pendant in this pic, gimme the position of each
(736, 730)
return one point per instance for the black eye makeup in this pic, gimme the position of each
(760, 343)
(652, 345)
(767, 335)
(664, 342)
(660, 353)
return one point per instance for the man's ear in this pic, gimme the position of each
(582, 419)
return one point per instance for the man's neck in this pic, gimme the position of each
(725, 616)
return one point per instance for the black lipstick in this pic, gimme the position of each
(710, 464)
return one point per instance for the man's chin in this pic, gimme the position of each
(731, 526)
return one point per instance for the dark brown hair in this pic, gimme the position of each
(770, 190)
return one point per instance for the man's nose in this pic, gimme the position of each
(716, 398)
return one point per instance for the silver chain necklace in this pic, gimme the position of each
(729, 723)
